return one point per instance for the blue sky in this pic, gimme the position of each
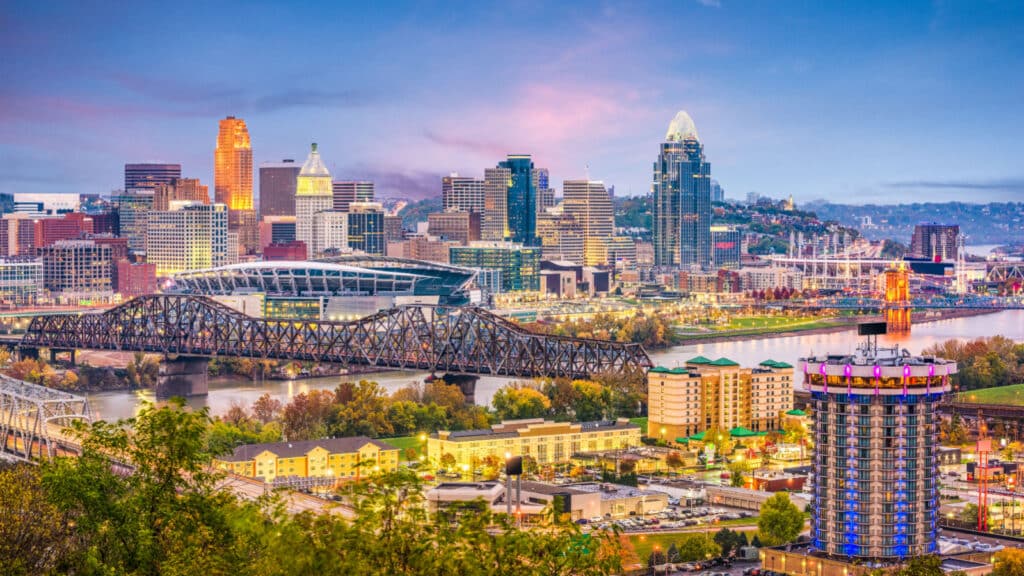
(850, 102)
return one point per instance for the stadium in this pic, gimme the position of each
(338, 288)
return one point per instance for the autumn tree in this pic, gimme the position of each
(1008, 562)
(266, 408)
(360, 410)
(517, 400)
(34, 535)
(305, 417)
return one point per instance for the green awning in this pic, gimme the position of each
(682, 440)
(795, 412)
(698, 437)
(741, 432)
(699, 360)
(724, 362)
(664, 370)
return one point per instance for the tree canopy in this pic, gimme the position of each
(141, 500)
(780, 520)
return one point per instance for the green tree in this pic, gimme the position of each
(729, 540)
(695, 547)
(166, 517)
(780, 520)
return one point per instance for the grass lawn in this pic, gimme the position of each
(642, 422)
(404, 442)
(644, 543)
(1010, 395)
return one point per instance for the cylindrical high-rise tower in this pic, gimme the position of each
(876, 430)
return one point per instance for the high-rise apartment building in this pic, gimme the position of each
(187, 236)
(682, 199)
(494, 225)
(719, 394)
(79, 268)
(179, 189)
(347, 192)
(366, 227)
(934, 241)
(462, 193)
(876, 441)
(232, 175)
(277, 187)
(313, 193)
(137, 176)
(21, 280)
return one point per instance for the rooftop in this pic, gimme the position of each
(293, 449)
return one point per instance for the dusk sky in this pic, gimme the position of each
(850, 102)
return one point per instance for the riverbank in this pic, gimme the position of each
(841, 325)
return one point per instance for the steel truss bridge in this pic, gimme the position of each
(33, 420)
(465, 340)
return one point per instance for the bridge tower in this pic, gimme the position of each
(897, 298)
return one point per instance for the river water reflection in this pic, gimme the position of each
(226, 391)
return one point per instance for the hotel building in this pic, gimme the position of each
(341, 458)
(705, 394)
(875, 432)
(545, 441)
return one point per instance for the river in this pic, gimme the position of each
(227, 391)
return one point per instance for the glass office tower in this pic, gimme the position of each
(682, 199)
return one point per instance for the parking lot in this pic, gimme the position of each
(675, 517)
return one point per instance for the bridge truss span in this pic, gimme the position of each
(437, 338)
(33, 419)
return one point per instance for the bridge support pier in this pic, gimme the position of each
(466, 383)
(183, 376)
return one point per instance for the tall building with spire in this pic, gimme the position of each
(682, 198)
(232, 180)
(313, 193)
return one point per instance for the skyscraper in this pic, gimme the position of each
(462, 193)
(313, 193)
(587, 202)
(347, 192)
(876, 438)
(277, 187)
(232, 180)
(149, 175)
(494, 225)
(682, 198)
(521, 204)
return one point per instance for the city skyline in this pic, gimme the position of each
(908, 103)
